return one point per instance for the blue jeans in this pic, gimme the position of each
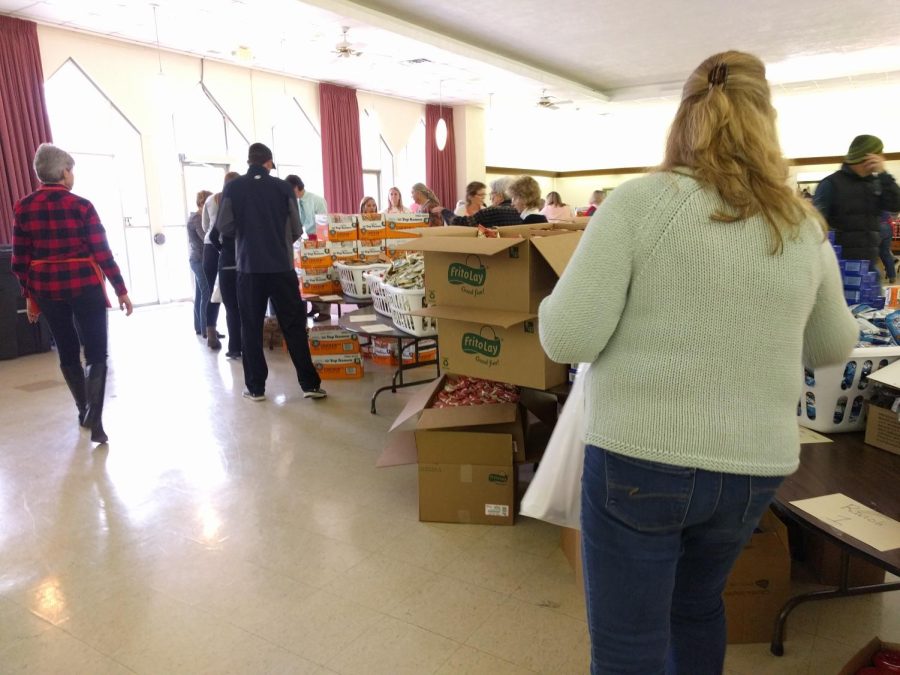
(202, 291)
(658, 544)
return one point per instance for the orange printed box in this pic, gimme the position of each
(339, 366)
(398, 226)
(316, 257)
(371, 250)
(342, 227)
(371, 226)
(325, 340)
(318, 283)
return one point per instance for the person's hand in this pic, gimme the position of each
(32, 311)
(874, 163)
(438, 210)
(125, 304)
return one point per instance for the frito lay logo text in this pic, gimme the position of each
(473, 343)
(459, 274)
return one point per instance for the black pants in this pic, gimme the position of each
(254, 293)
(78, 320)
(228, 287)
(210, 267)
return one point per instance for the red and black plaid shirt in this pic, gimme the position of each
(52, 224)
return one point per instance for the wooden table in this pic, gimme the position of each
(359, 327)
(866, 474)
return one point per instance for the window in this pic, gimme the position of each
(297, 146)
(377, 159)
(411, 161)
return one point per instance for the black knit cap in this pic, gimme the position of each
(259, 154)
(861, 146)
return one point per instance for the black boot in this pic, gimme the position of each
(96, 389)
(75, 379)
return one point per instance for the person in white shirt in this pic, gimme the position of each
(395, 201)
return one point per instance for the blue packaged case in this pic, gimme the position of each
(838, 249)
(852, 281)
(857, 266)
(831, 236)
(852, 296)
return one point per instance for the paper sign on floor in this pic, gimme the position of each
(810, 436)
(857, 520)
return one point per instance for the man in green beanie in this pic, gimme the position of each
(853, 199)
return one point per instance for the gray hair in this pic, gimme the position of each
(50, 162)
(499, 186)
(425, 190)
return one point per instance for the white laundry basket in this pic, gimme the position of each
(833, 397)
(353, 277)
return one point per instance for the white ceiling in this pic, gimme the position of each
(506, 52)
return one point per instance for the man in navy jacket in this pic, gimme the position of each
(260, 212)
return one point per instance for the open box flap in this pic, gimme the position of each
(417, 402)
(463, 244)
(889, 375)
(490, 317)
(557, 251)
(467, 416)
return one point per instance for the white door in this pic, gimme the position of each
(97, 180)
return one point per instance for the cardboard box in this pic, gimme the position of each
(494, 345)
(757, 588)
(371, 227)
(372, 251)
(864, 657)
(319, 282)
(342, 227)
(759, 584)
(338, 366)
(822, 561)
(883, 429)
(512, 272)
(403, 225)
(570, 543)
(465, 457)
(315, 255)
(325, 340)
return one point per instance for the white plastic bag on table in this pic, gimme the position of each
(555, 492)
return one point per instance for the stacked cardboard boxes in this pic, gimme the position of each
(335, 353)
(485, 294)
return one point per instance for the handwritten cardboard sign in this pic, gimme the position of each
(857, 520)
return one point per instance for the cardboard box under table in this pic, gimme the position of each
(512, 272)
(465, 458)
(882, 424)
(757, 588)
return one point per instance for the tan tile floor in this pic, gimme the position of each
(216, 535)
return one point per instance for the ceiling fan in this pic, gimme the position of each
(344, 49)
(551, 102)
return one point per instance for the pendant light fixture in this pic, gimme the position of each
(440, 128)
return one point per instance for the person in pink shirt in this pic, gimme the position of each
(556, 209)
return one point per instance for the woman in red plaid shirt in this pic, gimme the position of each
(60, 255)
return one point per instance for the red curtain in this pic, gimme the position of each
(23, 115)
(341, 148)
(440, 165)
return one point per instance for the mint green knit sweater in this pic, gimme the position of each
(695, 333)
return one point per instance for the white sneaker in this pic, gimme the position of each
(254, 397)
(318, 392)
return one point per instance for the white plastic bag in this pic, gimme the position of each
(216, 295)
(555, 492)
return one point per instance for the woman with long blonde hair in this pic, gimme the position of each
(690, 402)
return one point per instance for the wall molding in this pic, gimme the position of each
(796, 161)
